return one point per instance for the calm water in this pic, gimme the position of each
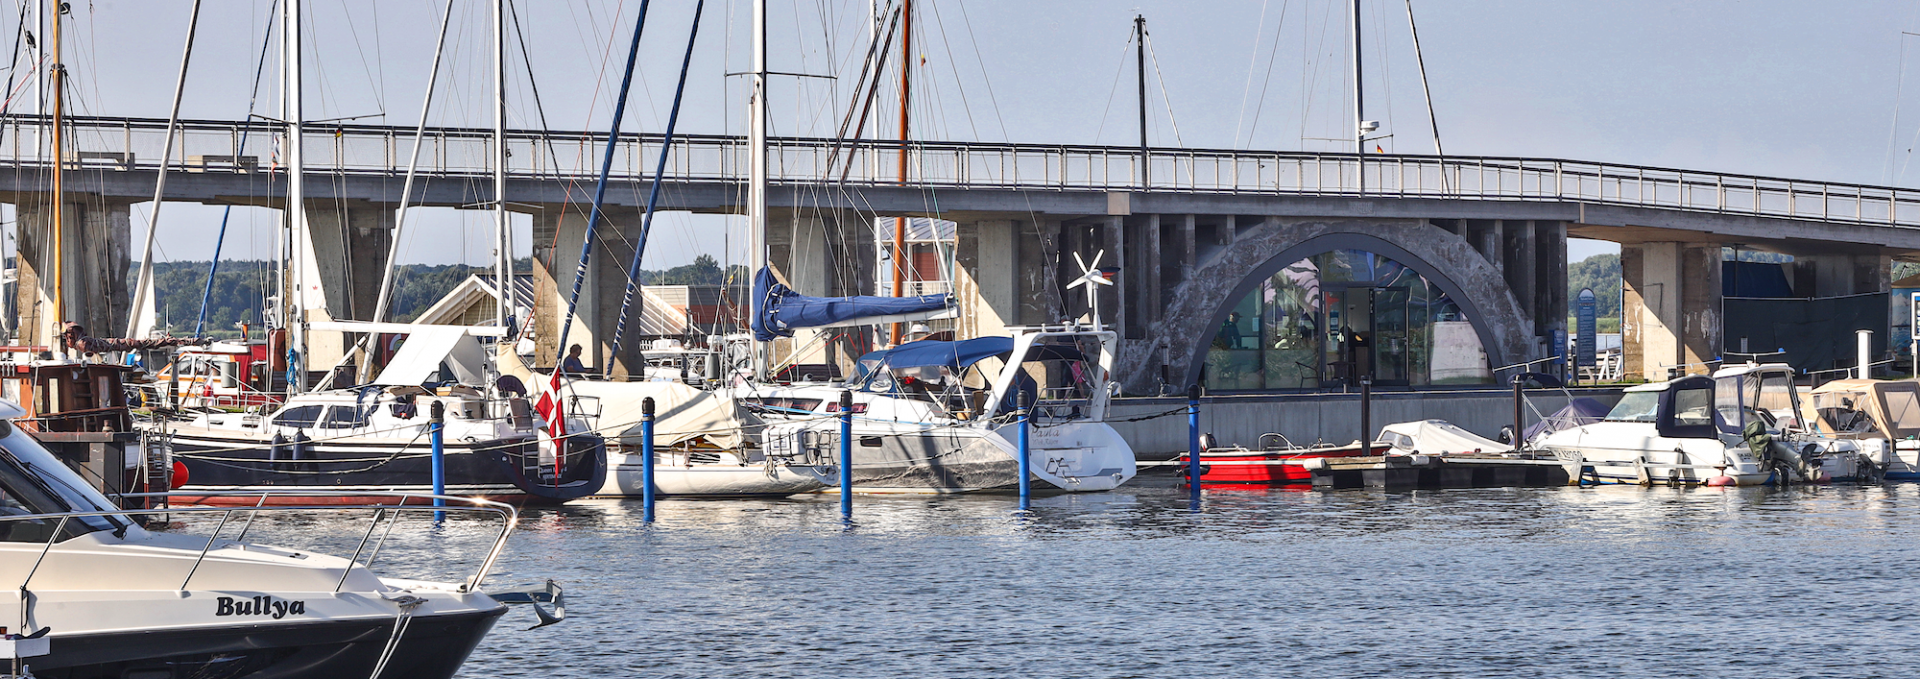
(1813, 582)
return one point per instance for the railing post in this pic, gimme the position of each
(646, 459)
(1025, 403)
(846, 456)
(436, 428)
(1193, 437)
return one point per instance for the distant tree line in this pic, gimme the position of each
(241, 288)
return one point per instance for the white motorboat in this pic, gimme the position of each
(939, 417)
(100, 596)
(1699, 429)
(1883, 415)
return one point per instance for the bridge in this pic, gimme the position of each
(1194, 240)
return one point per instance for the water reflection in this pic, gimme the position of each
(1555, 582)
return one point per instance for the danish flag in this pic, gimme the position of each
(550, 409)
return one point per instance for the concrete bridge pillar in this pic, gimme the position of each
(827, 255)
(344, 262)
(1671, 307)
(558, 232)
(987, 280)
(1841, 274)
(97, 244)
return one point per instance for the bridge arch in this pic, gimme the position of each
(1445, 259)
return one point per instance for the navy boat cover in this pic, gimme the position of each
(779, 310)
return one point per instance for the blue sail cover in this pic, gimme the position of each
(778, 310)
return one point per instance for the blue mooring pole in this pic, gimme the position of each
(846, 456)
(1026, 454)
(1193, 438)
(646, 457)
(437, 415)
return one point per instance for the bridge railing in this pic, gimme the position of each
(243, 147)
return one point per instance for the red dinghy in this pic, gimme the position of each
(1238, 466)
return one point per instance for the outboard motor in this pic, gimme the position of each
(1786, 464)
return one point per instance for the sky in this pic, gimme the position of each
(1816, 91)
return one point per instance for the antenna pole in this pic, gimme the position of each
(757, 173)
(503, 237)
(900, 223)
(1140, 51)
(1359, 106)
(59, 263)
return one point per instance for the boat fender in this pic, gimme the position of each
(1719, 481)
(277, 449)
(1422, 460)
(1313, 463)
(299, 445)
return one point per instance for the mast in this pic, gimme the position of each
(1140, 45)
(503, 258)
(1359, 108)
(295, 206)
(757, 170)
(900, 223)
(59, 261)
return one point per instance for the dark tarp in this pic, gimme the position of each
(1816, 334)
(778, 310)
(1754, 279)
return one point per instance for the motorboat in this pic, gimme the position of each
(1739, 427)
(375, 437)
(1883, 415)
(941, 416)
(99, 595)
(1276, 462)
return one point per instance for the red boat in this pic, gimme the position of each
(1238, 466)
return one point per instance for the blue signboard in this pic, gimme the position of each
(1586, 326)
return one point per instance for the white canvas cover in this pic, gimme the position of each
(1885, 408)
(429, 348)
(1437, 437)
(681, 413)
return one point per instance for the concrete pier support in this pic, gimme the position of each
(986, 279)
(558, 232)
(1671, 307)
(345, 261)
(97, 246)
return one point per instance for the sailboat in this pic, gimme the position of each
(933, 416)
(374, 437)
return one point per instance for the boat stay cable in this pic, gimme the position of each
(600, 186)
(246, 130)
(653, 196)
(406, 194)
(140, 321)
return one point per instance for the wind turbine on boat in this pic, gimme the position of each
(1089, 277)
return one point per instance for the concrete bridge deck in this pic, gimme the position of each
(1206, 225)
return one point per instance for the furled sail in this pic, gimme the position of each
(778, 310)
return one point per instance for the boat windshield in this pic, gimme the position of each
(1636, 406)
(32, 481)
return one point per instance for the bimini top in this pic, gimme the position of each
(967, 352)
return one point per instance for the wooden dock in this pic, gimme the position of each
(1411, 472)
